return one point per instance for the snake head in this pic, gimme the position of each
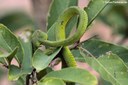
(37, 36)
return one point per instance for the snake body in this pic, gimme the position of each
(40, 37)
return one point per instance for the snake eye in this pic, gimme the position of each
(37, 36)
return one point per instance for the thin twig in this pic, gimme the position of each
(31, 79)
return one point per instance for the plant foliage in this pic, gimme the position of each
(35, 64)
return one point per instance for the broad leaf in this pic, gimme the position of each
(41, 60)
(10, 57)
(26, 66)
(51, 81)
(104, 82)
(77, 55)
(110, 67)
(77, 75)
(4, 54)
(98, 47)
(27, 59)
(21, 80)
(94, 8)
(14, 72)
(3, 61)
(51, 33)
(8, 42)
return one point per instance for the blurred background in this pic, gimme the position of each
(111, 25)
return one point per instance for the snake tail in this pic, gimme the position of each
(68, 57)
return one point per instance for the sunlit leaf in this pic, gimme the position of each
(51, 81)
(14, 72)
(8, 41)
(77, 75)
(5, 55)
(98, 47)
(110, 67)
(41, 60)
(77, 55)
(27, 59)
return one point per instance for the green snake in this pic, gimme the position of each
(40, 37)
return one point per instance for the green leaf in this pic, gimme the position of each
(110, 67)
(8, 41)
(3, 61)
(16, 20)
(51, 33)
(5, 54)
(21, 80)
(26, 65)
(94, 8)
(71, 74)
(52, 81)
(77, 55)
(98, 47)
(40, 60)
(14, 72)
(11, 55)
(104, 82)
(27, 59)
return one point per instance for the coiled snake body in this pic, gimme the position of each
(40, 37)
